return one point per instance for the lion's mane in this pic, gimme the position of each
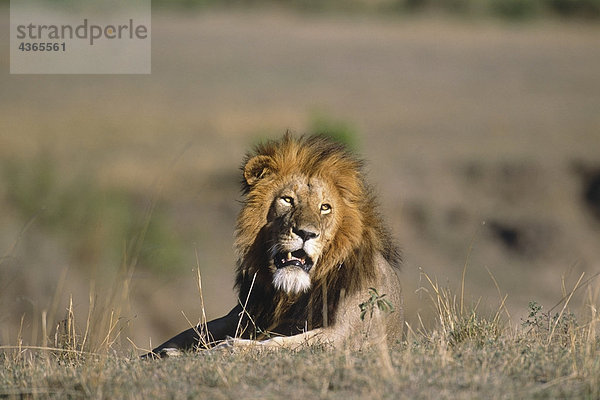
(346, 263)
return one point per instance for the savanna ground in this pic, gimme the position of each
(482, 139)
(463, 356)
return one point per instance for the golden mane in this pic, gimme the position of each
(346, 263)
(290, 188)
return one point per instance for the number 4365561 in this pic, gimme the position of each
(25, 46)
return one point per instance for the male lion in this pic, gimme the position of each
(309, 244)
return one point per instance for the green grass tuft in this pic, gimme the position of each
(339, 130)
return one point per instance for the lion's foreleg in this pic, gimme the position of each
(320, 336)
(200, 336)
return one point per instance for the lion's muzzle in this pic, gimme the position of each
(292, 268)
(297, 258)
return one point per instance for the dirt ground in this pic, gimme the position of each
(483, 140)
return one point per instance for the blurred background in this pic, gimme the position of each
(480, 121)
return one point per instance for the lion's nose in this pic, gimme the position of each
(306, 233)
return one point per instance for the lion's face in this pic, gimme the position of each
(302, 221)
(304, 213)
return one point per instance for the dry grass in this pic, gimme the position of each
(464, 355)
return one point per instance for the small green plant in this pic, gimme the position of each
(535, 318)
(375, 300)
(544, 324)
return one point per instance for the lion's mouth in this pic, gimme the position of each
(297, 258)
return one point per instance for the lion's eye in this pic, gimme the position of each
(325, 208)
(287, 200)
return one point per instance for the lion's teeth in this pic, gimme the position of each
(289, 255)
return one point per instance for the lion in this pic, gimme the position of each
(311, 247)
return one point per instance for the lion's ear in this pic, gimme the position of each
(256, 168)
